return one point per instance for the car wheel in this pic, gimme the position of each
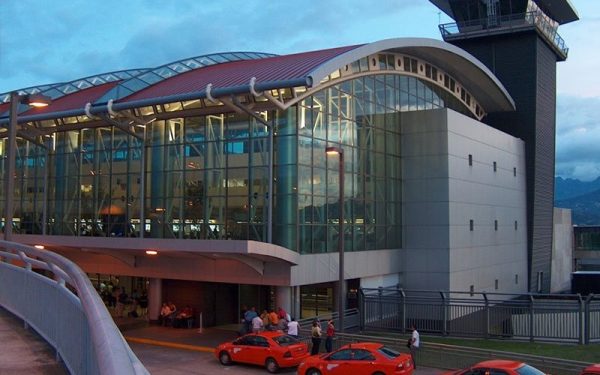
(313, 371)
(271, 365)
(225, 358)
(379, 373)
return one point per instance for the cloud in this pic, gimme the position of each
(577, 137)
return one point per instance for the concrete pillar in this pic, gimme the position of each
(283, 298)
(296, 303)
(154, 298)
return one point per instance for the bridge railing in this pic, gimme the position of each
(56, 298)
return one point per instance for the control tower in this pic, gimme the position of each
(518, 41)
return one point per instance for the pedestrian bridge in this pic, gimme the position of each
(56, 298)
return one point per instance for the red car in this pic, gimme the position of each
(365, 358)
(591, 370)
(272, 349)
(498, 367)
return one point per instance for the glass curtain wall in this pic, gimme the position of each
(206, 177)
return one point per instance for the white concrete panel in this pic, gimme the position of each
(380, 281)
(432, 213)
(562, 251)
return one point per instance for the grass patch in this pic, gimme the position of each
(583, 353)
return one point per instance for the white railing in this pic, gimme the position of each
(56, 298)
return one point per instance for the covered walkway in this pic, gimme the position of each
(23, 351)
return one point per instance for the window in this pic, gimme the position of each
(342, 355)
(471, 224)
(540, 281)
(516, 279)
(472, 290)
(515, 171)
(495, 224)
(470, 160)
(496, 284)
(516, 225)
(495, 166)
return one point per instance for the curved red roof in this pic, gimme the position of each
(238, 73)
(76, 100)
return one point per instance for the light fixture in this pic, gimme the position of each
(36, 100)
(41, 247)
(151, 252)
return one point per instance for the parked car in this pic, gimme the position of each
(498, 367)
(272, 349)
(365, 358)
(591, 370)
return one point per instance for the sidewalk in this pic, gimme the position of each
(177, 341)
(24, 351)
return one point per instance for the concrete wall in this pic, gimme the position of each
(443, 193)
(562, 251)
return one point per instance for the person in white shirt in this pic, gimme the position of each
(415, 342)
(257, 324)
(292, 328)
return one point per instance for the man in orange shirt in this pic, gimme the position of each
(274, 320)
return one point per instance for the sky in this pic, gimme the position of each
(49, 41)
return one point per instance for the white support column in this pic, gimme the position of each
(296, 304)
(283, 298)
(154, 298)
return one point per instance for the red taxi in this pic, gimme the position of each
(591, 370)
(365, 358)
(498, 367)
(272, 349)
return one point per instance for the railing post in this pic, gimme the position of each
(403, 295)
(580, 335)
(531, 320)
(587, 325)
(380, 303)
(444, 315)
(361, 311)
(487, 316)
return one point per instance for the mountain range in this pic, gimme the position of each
(582, 197)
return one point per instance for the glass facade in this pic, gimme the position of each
(206, 176)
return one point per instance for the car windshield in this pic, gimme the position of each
(388, 353)
(529, 370)
(285, 340)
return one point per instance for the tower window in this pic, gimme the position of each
(515, 171)
(495, 224)
(495, 166)
(496, 284)
(472, 290)
(471, 224)
(516, 225)
(470, 160)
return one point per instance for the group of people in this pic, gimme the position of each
(316, 335)
(170, 316)
(268, 320)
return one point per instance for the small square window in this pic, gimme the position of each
(470, 160)
(495, 166)
(495, 224)
(471, 224)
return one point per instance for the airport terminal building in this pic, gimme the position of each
(208, 176)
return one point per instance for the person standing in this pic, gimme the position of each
(257, 324)
(316, 338)
(415, 342)
(329, 338)
(292, 328)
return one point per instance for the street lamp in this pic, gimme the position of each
(340, 303)
(35, 100)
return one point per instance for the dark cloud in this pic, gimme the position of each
(577, 137)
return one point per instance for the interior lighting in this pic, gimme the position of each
(41, 247)
(151, 252)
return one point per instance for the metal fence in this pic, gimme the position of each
(53, 296)
(533, 317)
(453, 357)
